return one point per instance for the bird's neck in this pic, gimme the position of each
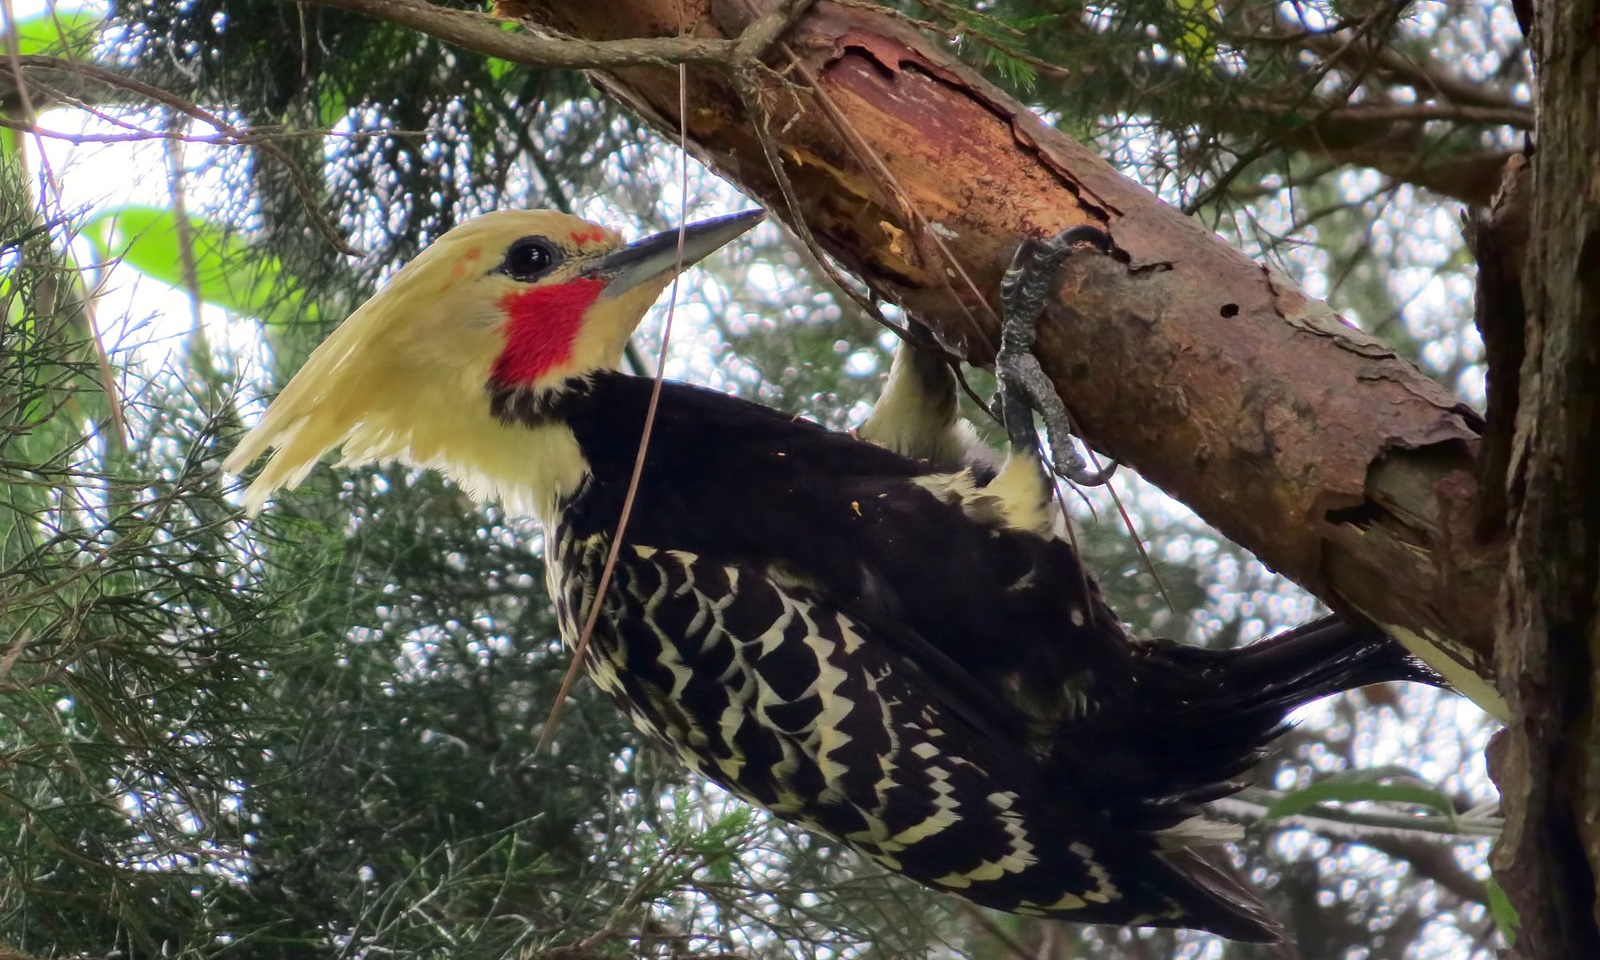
(530, 470)
(528, 461)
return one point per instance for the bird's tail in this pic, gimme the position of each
(1312, 661)
(1201, 718)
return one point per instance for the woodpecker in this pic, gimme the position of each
(883, 642)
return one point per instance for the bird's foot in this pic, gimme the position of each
(1028, 284)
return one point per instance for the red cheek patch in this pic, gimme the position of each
(542, 323)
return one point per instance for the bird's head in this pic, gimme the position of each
(523, 300)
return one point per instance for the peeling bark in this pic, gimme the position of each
(1546, 762)
(1498, 238)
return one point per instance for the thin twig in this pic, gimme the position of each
(1014, 946)
(961, 31)
(185, 236)
(749, 98)
(1308, 85)
(1414, 75)
(916, 220)
(297, 178)
(1251, 804)
(581, 647)
(138, 134)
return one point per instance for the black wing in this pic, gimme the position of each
(980, 607)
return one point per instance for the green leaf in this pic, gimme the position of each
(1196, 38)
(1355, 786)
(1019, 73)
(331, 106)
(498, 69)
(1505, 915)
(229, 272)
(56, 33)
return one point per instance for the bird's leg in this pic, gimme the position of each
(1027, 285)
(918, 415)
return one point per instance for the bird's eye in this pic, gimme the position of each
(529, 258)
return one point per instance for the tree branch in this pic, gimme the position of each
(486, 34)
(1431, 860)
(1296, 435)
(1425, 81)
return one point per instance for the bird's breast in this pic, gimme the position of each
(768, 690)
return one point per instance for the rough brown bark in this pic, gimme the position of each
(1546, 762)
(1498, 238)
(1296, 435)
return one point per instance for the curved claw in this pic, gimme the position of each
(1030, 278)
(1027, 285)
(1074, 468)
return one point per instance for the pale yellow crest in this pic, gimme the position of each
(404, 377)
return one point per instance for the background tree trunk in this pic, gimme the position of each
(1546, 764)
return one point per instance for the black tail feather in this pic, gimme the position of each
(1190, 724)
(1197, 719)
(1326, 656)
(1218, 900)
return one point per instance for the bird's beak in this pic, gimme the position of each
(658, 256)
